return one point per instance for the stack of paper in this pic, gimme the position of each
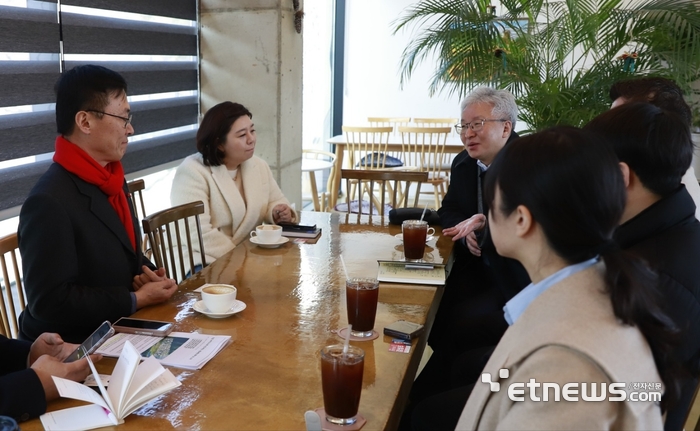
(179, 349)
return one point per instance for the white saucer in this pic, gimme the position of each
(238, 306)
(428, 238)
(282, 240)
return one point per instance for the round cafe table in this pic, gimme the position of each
(311, 166)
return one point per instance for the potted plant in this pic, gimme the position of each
(559, 58)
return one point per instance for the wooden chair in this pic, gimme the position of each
(8, 295)
(362, 142)
(692, 420)
(366, 148)
(318, 160)
(436, 122)
(441, 122)
(393, 122)
(136, 188)
(390, 183)
(424, 148)
(164, 230)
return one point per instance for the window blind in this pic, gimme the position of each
(153, 44)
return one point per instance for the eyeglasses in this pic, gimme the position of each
(127, 120)
(474, 125)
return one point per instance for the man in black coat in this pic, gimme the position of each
(659, 224)
(480, 281)
(77, 232)
(25, 373)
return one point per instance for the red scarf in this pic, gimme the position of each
(109, 179)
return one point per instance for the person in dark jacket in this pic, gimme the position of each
(659, 224)
(480, 281)
(77, 233)
(25, 373)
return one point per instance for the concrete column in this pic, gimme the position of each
(251, 54)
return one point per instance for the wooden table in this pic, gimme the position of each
(295, 295)
(453, 146)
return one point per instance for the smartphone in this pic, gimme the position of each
(291, 227)
(403, 330)
(143, 327)
(92, 342)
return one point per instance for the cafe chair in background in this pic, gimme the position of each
(366, 148)
(136, 188)
(12, 292)
(435, 122)
(318, 160)
(169, 232)
(441, 122)
(394, 184)
(424, 150)
(393, 158)
(394, 122)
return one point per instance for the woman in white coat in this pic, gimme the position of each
(237, 187)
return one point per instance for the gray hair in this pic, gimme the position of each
(502, 100)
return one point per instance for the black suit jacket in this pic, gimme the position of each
(460, 203)
(667, 236)
(21, 394)
(77, 258)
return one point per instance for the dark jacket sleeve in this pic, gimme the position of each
(459, 202)
(21, 394)
(73, 282)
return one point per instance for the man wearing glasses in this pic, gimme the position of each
(471, 311)
(81, 253)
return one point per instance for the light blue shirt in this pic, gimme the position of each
(481, 165)
(517, 306)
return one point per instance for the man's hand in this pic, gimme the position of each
(473, 244)
(52, 345)
(155, 292)
(148, 276)
(466, 229)
(282, 213)
(46, 366)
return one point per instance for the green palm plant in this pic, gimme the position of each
(558, 57)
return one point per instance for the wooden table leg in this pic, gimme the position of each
(314, 190)
(333, 193)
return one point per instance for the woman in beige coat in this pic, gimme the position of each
(590, 317)
(237, 187)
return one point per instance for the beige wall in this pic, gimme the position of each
(251, 54)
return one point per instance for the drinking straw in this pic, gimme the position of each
(345, 269)
(347, 341)
(423, 215)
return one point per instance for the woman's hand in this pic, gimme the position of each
(282, 213)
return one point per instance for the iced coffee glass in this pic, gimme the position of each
(414, 234)
(341, 378)
(361, 295)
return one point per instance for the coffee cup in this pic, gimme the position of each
(361, 295)
(414, 235)
(219, 298)
(341, 378)
(267, 233)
